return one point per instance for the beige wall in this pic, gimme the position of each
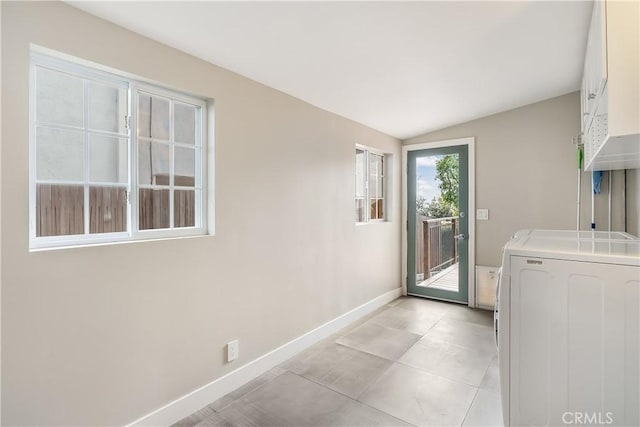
(633, 201)
(617, 202)
(104, 335)
(526, 174)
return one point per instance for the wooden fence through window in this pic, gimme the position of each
(60, 209)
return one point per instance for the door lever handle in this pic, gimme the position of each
(460, 236)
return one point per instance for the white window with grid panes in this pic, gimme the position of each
(370, 185)
(168, 159)
(112, 159)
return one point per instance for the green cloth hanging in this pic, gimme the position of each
(580, 157)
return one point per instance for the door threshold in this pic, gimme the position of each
(439, 299)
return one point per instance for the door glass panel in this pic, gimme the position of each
(436, 213)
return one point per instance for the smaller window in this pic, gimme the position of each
(370, 185)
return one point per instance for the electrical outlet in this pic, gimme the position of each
(233, 351)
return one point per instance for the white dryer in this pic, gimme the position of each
(568, 329)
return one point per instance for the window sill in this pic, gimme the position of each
(115, 242)
(377, 221)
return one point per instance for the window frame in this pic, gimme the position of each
(96, 73)
(368, 151)
(200, 226)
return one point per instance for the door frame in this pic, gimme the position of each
(470, 143)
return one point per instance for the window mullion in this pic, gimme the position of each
(367, 194)
(199, 219)
(85, 101)
(171, 164)
(130, 176)
(378, 186)
(383, 189)
(201, 177)
(32, 154)
(134, 213)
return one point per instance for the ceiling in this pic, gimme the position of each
(403, 68)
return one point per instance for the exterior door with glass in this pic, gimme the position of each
(437, 223)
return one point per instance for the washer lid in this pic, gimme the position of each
(605, 247)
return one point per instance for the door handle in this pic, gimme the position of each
(460, 236)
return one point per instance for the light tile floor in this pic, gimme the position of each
(412, 362)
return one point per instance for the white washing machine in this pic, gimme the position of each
(568, 329)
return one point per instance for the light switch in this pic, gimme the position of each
(482, 214)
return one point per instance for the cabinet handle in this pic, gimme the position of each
(591, 96)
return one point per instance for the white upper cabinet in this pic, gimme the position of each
(595, 64)
(610, 92)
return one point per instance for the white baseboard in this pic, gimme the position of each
(201, 397)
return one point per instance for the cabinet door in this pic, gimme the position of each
(584, 103)
(595, 65)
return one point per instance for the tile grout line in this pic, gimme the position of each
(385, 412)
(487, 370)
(339, 392)
(351, 398)
(475, 396)
(246, 394)
(375, 378)
(440, 376)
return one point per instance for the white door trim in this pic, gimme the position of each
(470, 142)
